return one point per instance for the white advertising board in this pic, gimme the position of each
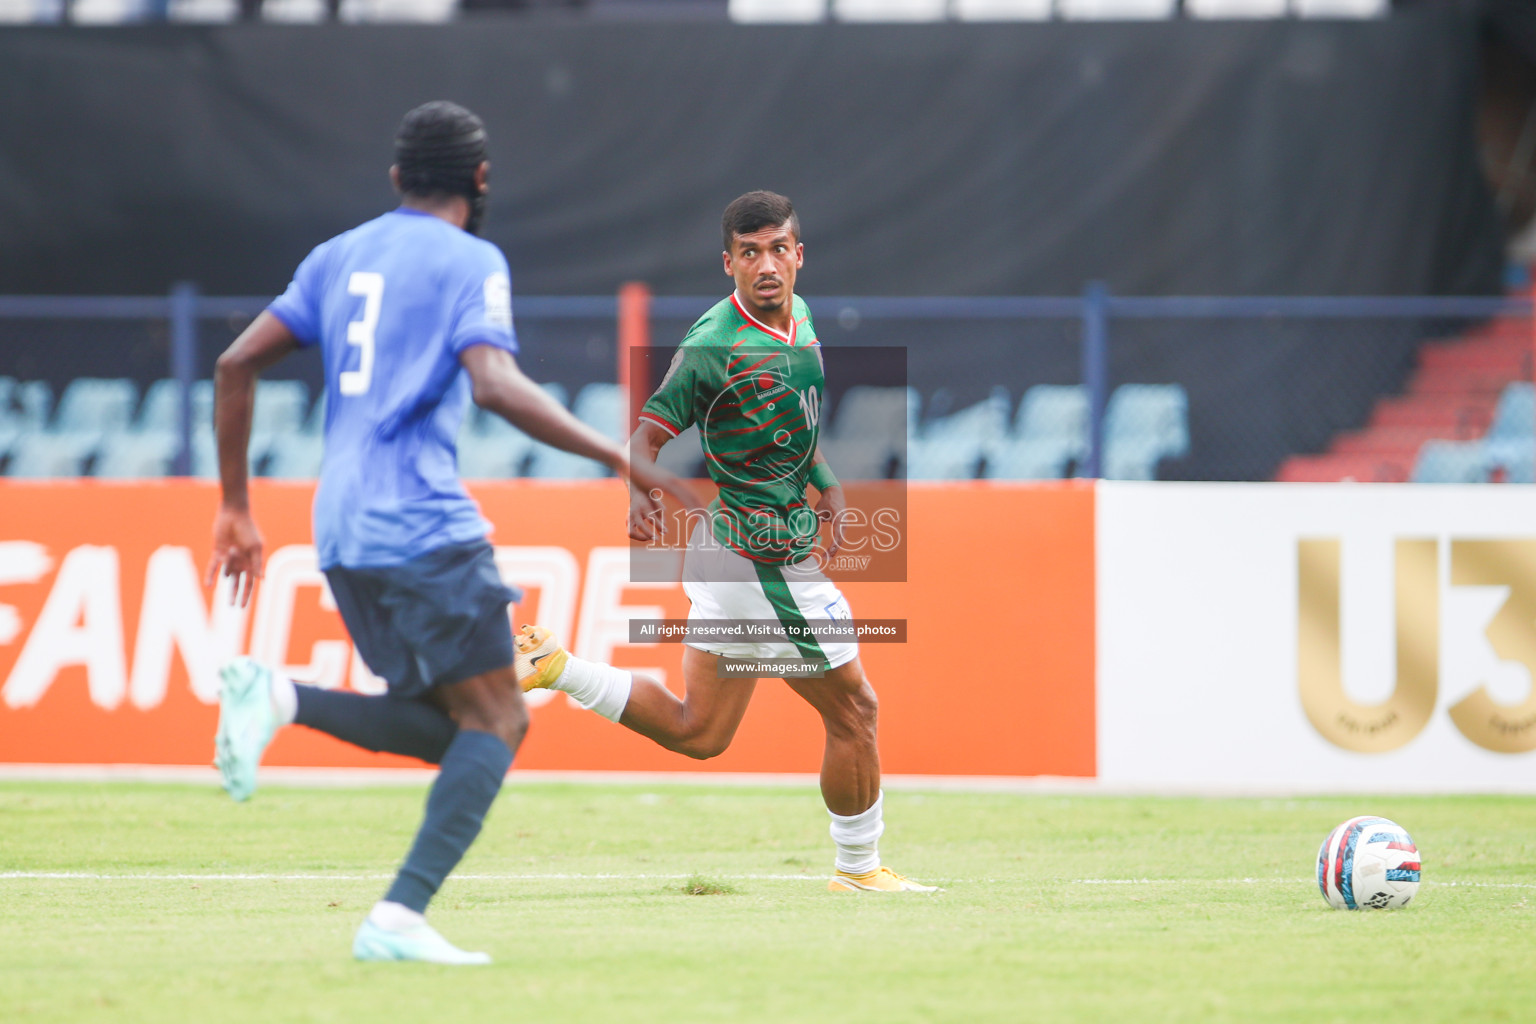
(1305, 637)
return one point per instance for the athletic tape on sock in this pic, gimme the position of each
(857, 837)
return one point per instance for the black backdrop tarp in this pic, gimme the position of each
(1184, 157)
(1270, 157)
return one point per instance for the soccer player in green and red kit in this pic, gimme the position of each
(749, 374)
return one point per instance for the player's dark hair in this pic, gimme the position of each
(755, 211)
(437, 149)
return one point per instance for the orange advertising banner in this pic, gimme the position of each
(110, 645)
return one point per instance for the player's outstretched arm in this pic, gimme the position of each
(647, 520)
(237, 545)
(501, 386)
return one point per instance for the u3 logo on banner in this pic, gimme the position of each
(1376, 728)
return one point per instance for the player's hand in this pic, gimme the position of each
(648, 485)
(237, 552)
(647, 516)
(831, 508)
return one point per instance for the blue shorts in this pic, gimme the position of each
(435, 620)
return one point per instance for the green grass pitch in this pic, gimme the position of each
(683, 903)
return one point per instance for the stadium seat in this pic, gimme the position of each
(208, 11)
(281, 408)
(750, 11)
(1049, 433)
(1507, 446)
(1003, 10)
(32, 401)
(1342, 8)
(952, 448)
(1512, 462)
(95, 404)
(90, 411)
(295, 12)
(873, 412)
(137, 456)
(1236, 8)
(490, 448)
(1451, 462)
(600, 407)
(891, 10)
(159, 412)
(1514, 419)
(294, 455)
(46, 455)
(31, 12)
(1144, 424)
(1115, 10)
(154, 439)
(9, 427)
(868, 435)
(24, 407)
(420, 11)
(288, 457)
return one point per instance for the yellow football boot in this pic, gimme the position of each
(539, 659)
(878, 880)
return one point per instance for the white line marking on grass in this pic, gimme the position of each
(101, 876)
(97, 876)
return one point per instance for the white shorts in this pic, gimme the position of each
(723, 585)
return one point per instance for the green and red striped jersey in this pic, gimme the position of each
(755, 394)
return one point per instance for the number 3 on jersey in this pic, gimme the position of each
(370, 286)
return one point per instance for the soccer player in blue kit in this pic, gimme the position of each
(413, 316)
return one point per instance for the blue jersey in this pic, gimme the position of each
(392, 303)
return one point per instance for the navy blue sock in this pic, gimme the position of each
(471, 776)
(410, 727)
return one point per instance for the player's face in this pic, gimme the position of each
(764, 264)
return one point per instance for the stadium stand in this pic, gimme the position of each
(599, 406)
(1049, 435)
(953, 447)
(125, 12)
(866, 438)
(1467, 389)
(90, 410)
(1144, 424)
(290, 456)
(491, 448)
(1450, 462)
(24, 407)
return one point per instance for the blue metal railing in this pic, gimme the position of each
(1096, 309)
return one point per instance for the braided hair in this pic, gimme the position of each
(437, 150)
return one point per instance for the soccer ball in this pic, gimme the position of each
(1368, 862)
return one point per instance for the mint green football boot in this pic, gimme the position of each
(246, 724)
(421, 943)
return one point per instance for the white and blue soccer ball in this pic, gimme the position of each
(1368, 862)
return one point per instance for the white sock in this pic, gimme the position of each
(394, 917)
(857, 837)
(285, 702)
(595, 686)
